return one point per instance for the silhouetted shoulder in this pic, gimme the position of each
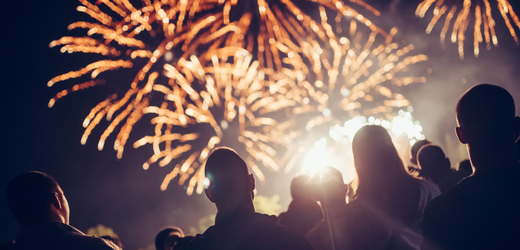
(302, 215)
(360, 226)
(256, 232)
(428, 192)
(58, 236)
(481, 212)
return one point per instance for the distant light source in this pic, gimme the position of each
(327, 112)
(317, 157)
(224, 124)
(207, 182)
(168, 56)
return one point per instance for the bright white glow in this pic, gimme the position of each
(402, 128)
(327, 112)
(317, 158)
(168, 56)
(224, 124)
(206, 182)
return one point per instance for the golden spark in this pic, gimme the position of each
(461, 12)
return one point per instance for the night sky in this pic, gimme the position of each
(118, 193)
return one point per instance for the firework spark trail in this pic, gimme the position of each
(464, 10)
(282, 38)
(231, 92)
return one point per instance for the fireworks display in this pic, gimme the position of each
(328, 113)
(230, 104)
(457, 15)
(173, 45)
(209, 73)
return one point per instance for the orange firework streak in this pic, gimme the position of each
(284, 41)
(461, 11)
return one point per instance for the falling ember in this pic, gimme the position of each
(458, 14)
(367, 80)
(175, 43)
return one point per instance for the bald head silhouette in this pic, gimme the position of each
(35, 198)
(231, 185)
(485, 113)
(488, 126)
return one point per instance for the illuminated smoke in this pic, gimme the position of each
(335, 149)
(365, 92)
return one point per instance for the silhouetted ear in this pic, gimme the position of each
(448, 163)
(208, 194)
(460, 135)
(252, 184)
(55, 201)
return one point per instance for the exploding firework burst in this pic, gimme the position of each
(231, 104)
(368, 78)
(280, 35)
(460, 12)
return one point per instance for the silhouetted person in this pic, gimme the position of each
(465, 165)
(435, 166)
(303, 212)
(168, 238)
(343, 226)
(183, 243)
(387, 209)
(482, 211)
(237, 226)
(39, 205)
(413, 152)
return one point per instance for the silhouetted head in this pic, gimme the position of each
(35, 198)
(488, 127)
(465, 165)
(167, 238)
(378, 165)
(415, 149)
(300, 187)
(328, 186)
(486, 116)
(433, 162)
(231, 185)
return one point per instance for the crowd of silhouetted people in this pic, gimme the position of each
(388, 206)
